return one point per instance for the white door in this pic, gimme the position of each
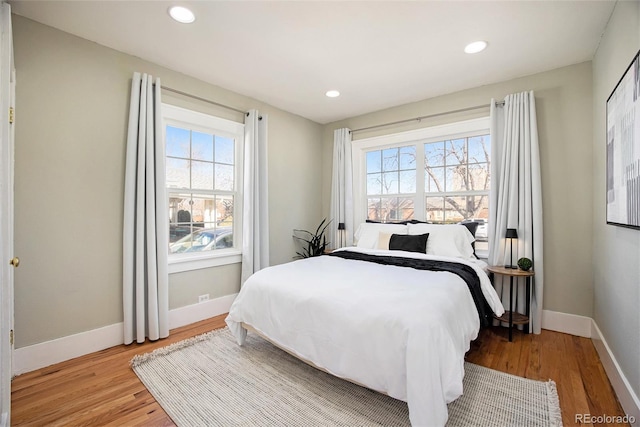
(7, 260)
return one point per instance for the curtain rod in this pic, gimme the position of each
(477, 107)
(179, 92)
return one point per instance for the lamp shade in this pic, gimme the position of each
(341, 226)
(512, 233)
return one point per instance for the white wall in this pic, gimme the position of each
(616, 253)
(71, 117)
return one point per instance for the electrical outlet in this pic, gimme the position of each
(203, 298)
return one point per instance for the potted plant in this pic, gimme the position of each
(525, 264)
(312, 244)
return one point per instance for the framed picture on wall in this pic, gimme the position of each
(623, 149)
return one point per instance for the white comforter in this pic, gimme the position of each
(397, 330)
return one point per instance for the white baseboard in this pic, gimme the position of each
(194, 313)
(30, 358)
(627, 397)
(567, 323)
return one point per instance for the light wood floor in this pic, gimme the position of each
(101, 388)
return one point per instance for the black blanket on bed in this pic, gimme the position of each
(465, 272)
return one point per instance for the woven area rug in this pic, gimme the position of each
(211, 381)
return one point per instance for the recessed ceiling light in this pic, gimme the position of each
(182, 14)
(332, 93)
(475, 47)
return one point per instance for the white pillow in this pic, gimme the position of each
(452, 240)
(368, 232)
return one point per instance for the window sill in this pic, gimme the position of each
(181, 263)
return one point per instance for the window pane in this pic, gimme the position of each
(179, 208)
(390, 159)
(224, 177)
(456, 178)
(224, 238)
(435, 209)
(179, 216)
(479, 178)
(201, 175)
(211, 227)
(434, 154)
(374, 183)
(203, 210)
(434, 180)
(201, 146)
(177, 142)
(408, 181)
(224, 150)
(405, 208)
(224, 211)
(481, 215)
(177, 173)
(390, 183)
(480, 149)
(389, 209)
(455, 209)
(478, 208)
(373, 209)
(456, 152)
(204, 239)
(374, 161)
(408, 157)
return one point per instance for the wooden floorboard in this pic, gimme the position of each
(100, 389)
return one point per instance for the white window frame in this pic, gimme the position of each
(418, 137)
(188, 119)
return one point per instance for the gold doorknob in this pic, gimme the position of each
(15, 262)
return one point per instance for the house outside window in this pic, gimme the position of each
(204, 187)
(440, 175)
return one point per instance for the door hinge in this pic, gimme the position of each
(11, 115)
(11, 337)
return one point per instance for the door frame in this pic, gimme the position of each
(7, 97)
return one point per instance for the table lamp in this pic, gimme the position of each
(341, 229)
(512, 233)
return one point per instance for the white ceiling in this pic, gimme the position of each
(377, 54)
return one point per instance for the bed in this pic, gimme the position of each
(396, 321)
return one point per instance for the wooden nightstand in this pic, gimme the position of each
(510, 316)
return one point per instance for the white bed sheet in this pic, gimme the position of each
(397, 330)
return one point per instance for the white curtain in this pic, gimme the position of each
(341, 209)
(146, 224)
(516, 198)
(255, 222)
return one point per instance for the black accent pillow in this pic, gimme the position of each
(473, 227)
(409, 243)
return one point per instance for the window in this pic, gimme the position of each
(457, 179)
(204, 182)
(391, 183)
(439, 174)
